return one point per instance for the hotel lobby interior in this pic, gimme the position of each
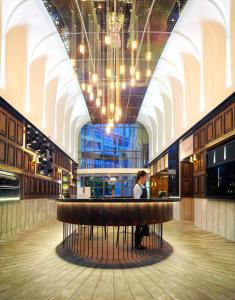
(117, 149)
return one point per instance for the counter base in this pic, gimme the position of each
(110, 244)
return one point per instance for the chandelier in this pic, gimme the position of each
(108, 74)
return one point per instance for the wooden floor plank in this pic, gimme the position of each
(201, 266)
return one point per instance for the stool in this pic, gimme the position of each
(125, 233)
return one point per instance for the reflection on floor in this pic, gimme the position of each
(201, 266)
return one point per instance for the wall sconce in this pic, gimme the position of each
(191, 159)
(194, 157)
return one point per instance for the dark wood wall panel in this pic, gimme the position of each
(202, 185)
(11, 155)
(196, 185)
(16, 158)
(228, 120)
(186, 179)
(202, 137)
(3, 123)
(26, 161)
(218, 126)
(19, 158)
(210, 132)
(3, 146)
(195, 142)
(32, 167)
(12, 129)
(20, 134)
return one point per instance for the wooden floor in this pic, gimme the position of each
(202, 266)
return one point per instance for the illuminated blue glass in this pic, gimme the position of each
(125, 147)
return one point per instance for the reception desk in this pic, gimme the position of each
(105, 228)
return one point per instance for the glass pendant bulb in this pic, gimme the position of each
(149, 55)
(117, 117)
(119, 111)
(108, 73)
(97, 102)
(94, 78)
(91, 96)
(89, 88)
(73, 62)
(123, 85)
(132, 70)
(83, 85)
(134, 45)
(99, 93)
(111, 106)
(148, 73)
(82, 49)
(137, 75)
(111, 85)
(110, 123)
(107, 40)
(108, 129)
(122, 69)
(132, 81)
(103, 110)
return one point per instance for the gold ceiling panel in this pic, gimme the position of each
(86, 22)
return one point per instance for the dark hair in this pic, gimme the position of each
(139, 175)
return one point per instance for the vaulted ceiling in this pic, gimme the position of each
(84, 22)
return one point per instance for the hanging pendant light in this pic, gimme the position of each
(132, 70)
(103, 110)
(134, 45)
(111, 107)
(83, 85)
(108, 73)
(149, 56)
(110, 123)
(117, 117)
(137, 75)
(73, 62)
(82, 49)
(94, 78)
(108, 129)
(91, 96)
(148, 73)
(132, 81)
(122, 69)
(123, 85)
(97, 102)
(89, 88)
(107, 40)
(111, 85)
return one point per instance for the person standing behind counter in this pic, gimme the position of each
(140, 192)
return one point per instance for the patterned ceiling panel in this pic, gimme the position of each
(149, 22)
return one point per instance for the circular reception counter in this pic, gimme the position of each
(106, 229)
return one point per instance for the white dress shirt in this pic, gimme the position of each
(137, 191)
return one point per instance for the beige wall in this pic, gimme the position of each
(17, 216)
(217, 216)
(213, 215)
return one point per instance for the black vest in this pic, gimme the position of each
(144, 194)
